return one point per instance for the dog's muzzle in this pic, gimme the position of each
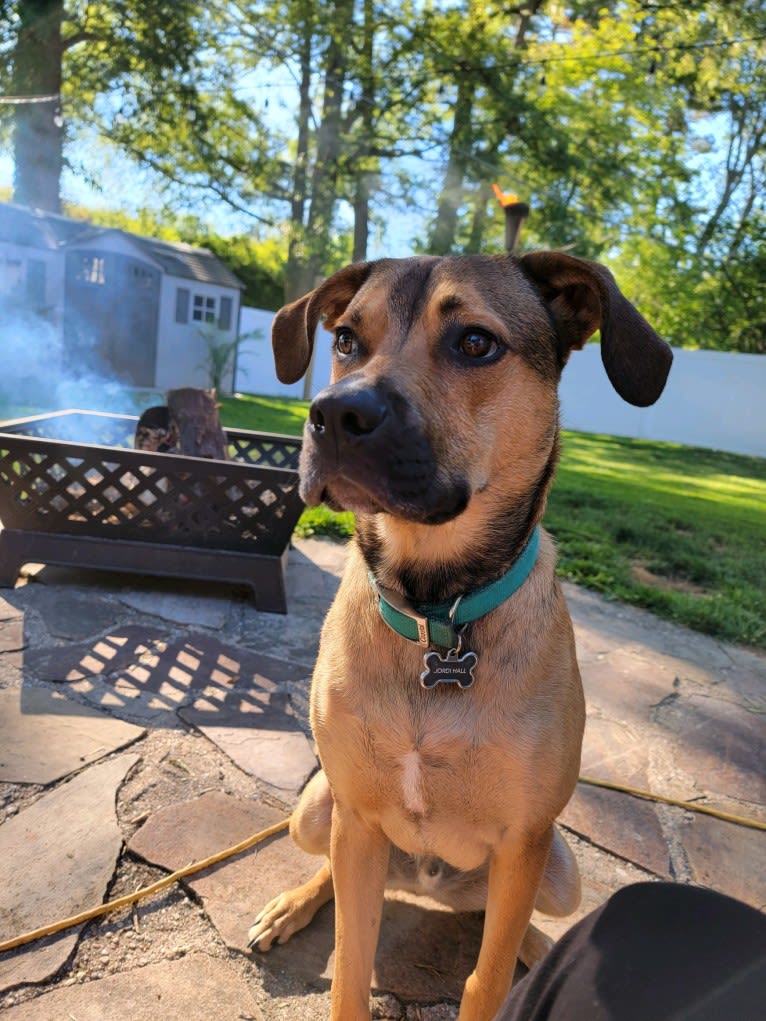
(365, 450)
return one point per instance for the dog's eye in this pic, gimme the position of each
(475, 344)
(345, 341)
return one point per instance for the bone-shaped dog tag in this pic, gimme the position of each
(449, 669)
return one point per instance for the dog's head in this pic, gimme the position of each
(444, 377)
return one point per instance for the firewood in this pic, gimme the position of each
(194, 414)
(155, 431)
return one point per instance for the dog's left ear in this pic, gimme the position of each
(294, 325)
(584, 297)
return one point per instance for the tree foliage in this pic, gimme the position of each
(635, 129)
(66, 58)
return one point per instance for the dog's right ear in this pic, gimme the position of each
(294, 326)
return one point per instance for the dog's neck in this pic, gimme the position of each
(442, 624)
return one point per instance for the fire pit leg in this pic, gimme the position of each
(269, 593)
(11, 561)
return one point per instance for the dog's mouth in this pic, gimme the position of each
(346, 495)
(426, 500)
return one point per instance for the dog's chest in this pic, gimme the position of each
(428, 772)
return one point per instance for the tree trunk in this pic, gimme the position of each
(748, 132)
(296, 281)
(442, 238)
(325, 176)
(364, 175)
(480, 217)
(361, 216)
(38, 136)
(325, 173)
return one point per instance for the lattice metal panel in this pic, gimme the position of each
(51, 485)
(264, 449)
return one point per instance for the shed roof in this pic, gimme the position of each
(38, 229)
(182, 260)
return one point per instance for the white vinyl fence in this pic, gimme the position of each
(714, 399)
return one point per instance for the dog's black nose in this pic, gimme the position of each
(345, 412)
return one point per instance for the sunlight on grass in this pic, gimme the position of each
(265, 414)
(677, 530)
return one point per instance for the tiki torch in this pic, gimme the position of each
(516, 213)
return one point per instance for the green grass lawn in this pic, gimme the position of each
(264, 414)
(678, 530)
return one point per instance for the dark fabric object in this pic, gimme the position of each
(652, 952)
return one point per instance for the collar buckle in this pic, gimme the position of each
(398, 602)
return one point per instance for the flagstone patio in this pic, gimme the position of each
(145, 726)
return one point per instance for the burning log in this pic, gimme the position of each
(194, 415)
(155, 431)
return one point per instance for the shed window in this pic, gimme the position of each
(92, 269)
(182, 305)
(203, 309)
(224, 317)
(142, 277)
(11, 275)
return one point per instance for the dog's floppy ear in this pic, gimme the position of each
(584, 297)
(294, 326)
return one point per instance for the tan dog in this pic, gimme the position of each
(440, 430)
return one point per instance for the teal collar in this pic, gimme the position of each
(441, 623)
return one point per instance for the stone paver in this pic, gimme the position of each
(673, 713)
(191, 609)
(11, 668)
(8, 611)
(12, 635)
(194, 988)
(45, 736)
(719, 741)
(233, 894)
(264, 741)
(58, 856)
(115, 650)
(422, 954)
(726, 858)
(76, 617)
(200, 670)
(630, 830)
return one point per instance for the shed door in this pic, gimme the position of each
(111, 314)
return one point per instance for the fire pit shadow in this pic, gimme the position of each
(74, 492)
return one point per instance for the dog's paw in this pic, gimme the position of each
(279, 920)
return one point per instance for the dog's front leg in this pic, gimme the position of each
(515, 872)
(359, 862)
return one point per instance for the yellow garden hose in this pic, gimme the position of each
(738, 820)
(258, 838)
(146, 891)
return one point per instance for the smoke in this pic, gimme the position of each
(38, 373)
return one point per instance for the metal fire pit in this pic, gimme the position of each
(74, 492)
